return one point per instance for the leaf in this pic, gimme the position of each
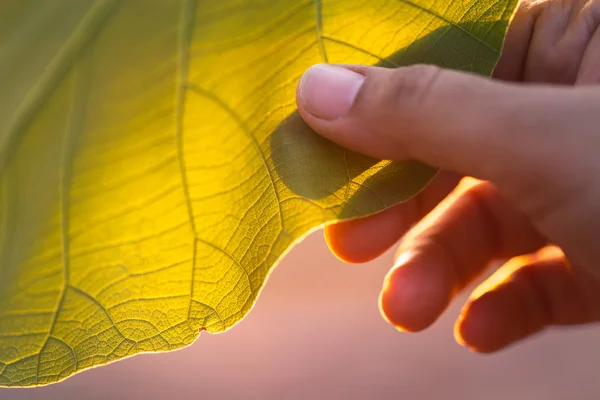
(152, 168)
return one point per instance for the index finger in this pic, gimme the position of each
(363, 239)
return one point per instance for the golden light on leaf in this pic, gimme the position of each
(153, 169)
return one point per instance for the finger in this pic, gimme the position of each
(454, 121)
(549, 60)
(516, 44)
(448, 249)
(590, 63)
(589, 70)
(363, 239)
(524, 296)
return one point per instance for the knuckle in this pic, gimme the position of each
(559, 65)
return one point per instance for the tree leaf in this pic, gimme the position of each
(153, 169)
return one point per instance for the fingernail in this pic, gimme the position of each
(328, 91)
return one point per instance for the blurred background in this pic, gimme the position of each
(316, 333)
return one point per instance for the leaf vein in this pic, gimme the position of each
(74, 125)
(187, 28)
(357, 48)
(319, 27)
(60, 65)
(242, 124)
(185, 41)
(442, 18)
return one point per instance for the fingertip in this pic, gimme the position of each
(489, 323)
(475, 330)
(364, 239)
(345, 242)
(414, 294)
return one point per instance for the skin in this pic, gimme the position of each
(530, 136)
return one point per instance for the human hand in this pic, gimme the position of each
(531, 137)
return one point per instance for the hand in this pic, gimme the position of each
(532, 138)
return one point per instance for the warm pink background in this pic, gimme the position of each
(316, 333)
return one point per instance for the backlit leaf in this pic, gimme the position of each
(152, 167)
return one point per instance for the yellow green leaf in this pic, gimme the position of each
(152, 167)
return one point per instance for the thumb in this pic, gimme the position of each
(451, 120)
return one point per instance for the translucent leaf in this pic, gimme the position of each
(152, 167)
